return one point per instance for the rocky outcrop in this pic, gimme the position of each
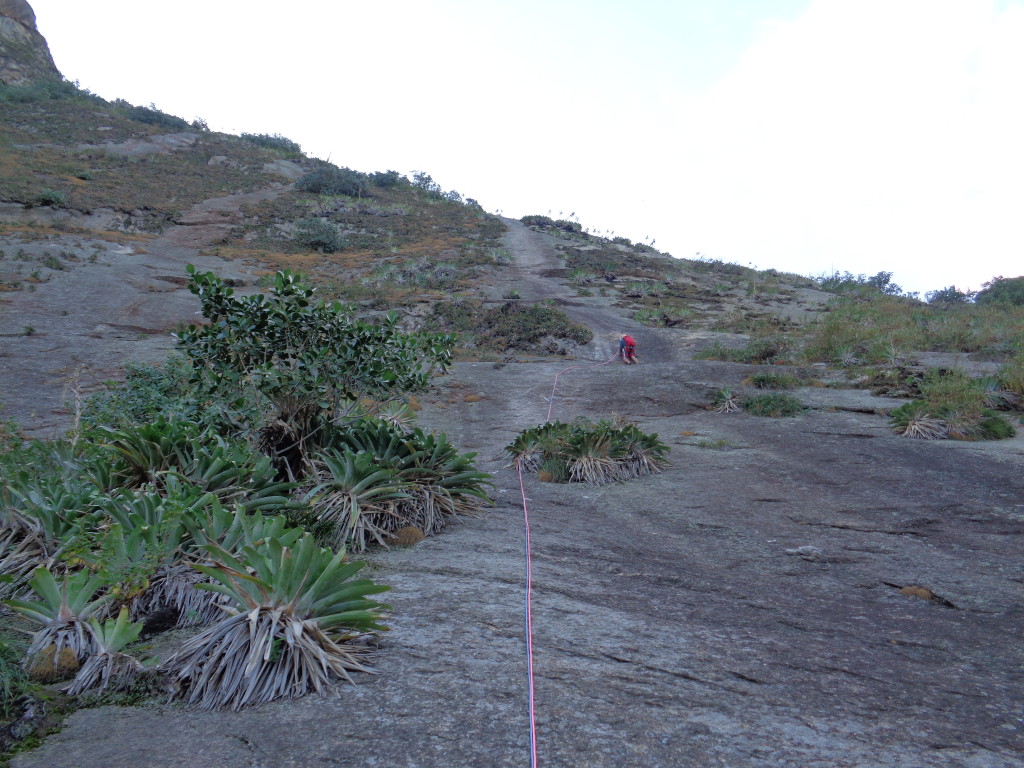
(24, 54)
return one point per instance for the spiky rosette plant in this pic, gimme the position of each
(594, 458)
(64, 608)
(357, 496)
(293, 612)
(725, 401)
(915, 420)
(107, 668)
(442, 483)
(643, 454)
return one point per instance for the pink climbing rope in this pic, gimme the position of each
(529, 574)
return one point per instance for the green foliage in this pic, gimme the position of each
(331, 180)
(373, 479)
(150, 391)
(1002, 290)
(292, 610)
(774, 380)
(593, 453)
(868, 329)
(767, 350)
(107, 668)
(387, 179)
(274, 141)
(151, 116)
(51, 197)
(538, 221)
(773, 405)
(725, 401)
(63, 609)
(1011, 375)
(13, 681)
(511, 326)
(305, 358)
(47, 89)
(951, 295)
(954, 405)
(846, 282)
(319, 235)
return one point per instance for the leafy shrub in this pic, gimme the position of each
(47, 89)
(386, 179)
(538, 221)
(301, 359)
(331, 180)
(152, 116)
(861, 284)
(1002, 290)
(513, 325)
(1011, 375)
(274, 141)
(151, 391)
(51, 197)
(773, 405)
(950, 295)
(319, 235)
(772, 380)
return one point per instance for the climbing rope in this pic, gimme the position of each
(529, 572)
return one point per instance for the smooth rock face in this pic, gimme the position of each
(24, 54)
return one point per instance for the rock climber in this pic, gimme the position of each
(627, 349)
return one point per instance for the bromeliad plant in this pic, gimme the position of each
(584, 452)
(374, 479)
(292, 614)
(64, 609)
(107, 668)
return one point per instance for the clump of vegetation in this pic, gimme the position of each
(513, 325)
(307, 361)
(773, 405)
(292, 612)
(726, 401)
(373, 478)
(51, 197)
(1007, 291)
(151, 116)
(773, 380)
(274, 141)
(954, 405)
(769, 350)
(319, 235)
(586, 452)
(331, 180)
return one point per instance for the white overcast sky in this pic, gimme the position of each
(805, 135)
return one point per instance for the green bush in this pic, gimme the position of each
(772, 380)
(538, 221)
(319, 235)
(513, 325)
(274, 141)
(152, 116)
(773, 405)
(331, 180)
(1002, 290)
(386, 179)
(51, 197)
